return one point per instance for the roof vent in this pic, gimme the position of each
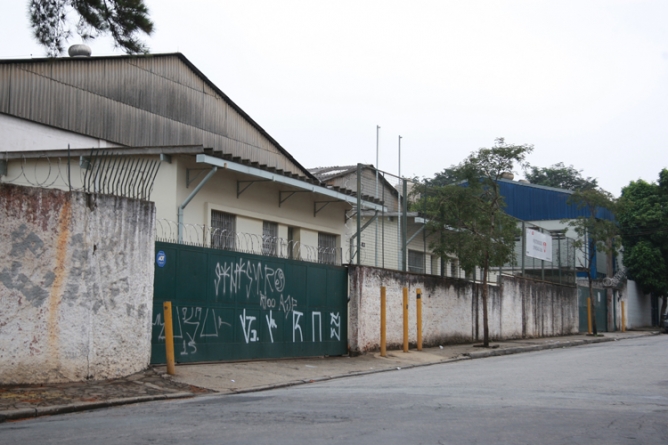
(507, 175)
(79, 50)
(524, 181)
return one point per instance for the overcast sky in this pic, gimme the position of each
(585, 82)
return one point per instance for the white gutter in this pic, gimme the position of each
(252, 171)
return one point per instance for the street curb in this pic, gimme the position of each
(26, 413)
(532, 348)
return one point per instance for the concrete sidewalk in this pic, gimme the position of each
(24, 401)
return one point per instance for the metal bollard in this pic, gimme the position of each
(405, 319)
(418, 308)
(623, 318)
(169, 337)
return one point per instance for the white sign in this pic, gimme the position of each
(538, 245)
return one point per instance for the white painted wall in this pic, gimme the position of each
(24, 135)
(76, 285)
(452, 309)
(638, 306)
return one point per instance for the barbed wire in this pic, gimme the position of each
(101, 173)
(201, 235)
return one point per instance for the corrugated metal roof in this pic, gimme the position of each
(153, 100)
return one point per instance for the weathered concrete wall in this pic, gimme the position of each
(452, 309)
(76, 285)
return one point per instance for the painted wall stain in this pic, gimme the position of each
(60, 271)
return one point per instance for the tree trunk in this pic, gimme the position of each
(663, 311)
(485, 324)
(593, 307)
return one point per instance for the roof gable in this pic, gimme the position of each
(154, 100)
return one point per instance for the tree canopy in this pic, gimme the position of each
(468, 220)
(559, 176)
(643, 219)
(122, 19)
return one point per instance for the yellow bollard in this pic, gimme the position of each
(405, 319)
(383, 324)
(623, 318)
(169, 337)
(418, 308)
(589, 316)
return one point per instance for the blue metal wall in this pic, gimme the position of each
(530, 202)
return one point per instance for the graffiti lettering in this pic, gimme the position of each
(335, 325)
(271, 323)
(296, 315)
(287, 305)
(249, 334)
(313, 315)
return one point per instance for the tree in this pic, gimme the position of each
(446, 177)
(595, 234)
(468, 220)
(643, 219)
(122, 19)
(559, 176)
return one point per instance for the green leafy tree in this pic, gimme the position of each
(122, 19)
(468, 221)
(643, 219)
(594, 234)
(559, 176)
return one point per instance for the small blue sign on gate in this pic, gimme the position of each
(161, 259)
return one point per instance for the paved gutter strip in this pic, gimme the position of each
(26, 413)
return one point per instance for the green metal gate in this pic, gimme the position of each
(601, 308)
(231, 306)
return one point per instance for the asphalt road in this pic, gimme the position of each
(608, 393)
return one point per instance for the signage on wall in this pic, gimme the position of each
(538, 245)
(161, 259)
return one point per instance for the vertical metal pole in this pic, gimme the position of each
(589, 327)
(524, 245)
(383, 322)
(404, 231)
(359, 212)
(399, 265)
(559, 254)
(418, 313)
(376, 195)
(542, 263)
(169, 337)
(69, 178)
(382, 231)
(424, 231)
(405, 301)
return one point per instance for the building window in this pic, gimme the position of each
(454, 268)
(415, 261)
(326, 248)
(269, 238)
(223, 230)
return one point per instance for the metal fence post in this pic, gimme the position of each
(359, 213)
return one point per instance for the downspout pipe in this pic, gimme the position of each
(189, 198)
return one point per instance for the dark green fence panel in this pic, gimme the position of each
(601, 309)
(234, 306)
